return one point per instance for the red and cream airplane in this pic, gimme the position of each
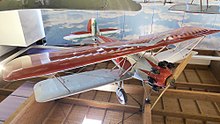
(92, 31)
(130, 56)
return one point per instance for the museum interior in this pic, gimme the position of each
(110, 62)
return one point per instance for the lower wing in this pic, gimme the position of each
(56, 88)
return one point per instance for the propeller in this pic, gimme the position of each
(174, 77)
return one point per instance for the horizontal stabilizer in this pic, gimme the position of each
(108, 31)
(56, 88)
(78, 35)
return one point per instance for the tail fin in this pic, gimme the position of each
(93, 27)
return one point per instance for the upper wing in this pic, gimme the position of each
(69, 4)
(52, 89)
(42, 64)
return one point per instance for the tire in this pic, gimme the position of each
(121, 96)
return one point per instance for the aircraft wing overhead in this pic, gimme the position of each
(52, 89)
(37, 65)
(70, 4)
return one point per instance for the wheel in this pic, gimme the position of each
(147, 101)
(121, 96)
(163, 64)
(155, 71)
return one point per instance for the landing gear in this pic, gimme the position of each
(120, 93)
(121, 96)
(147, 100)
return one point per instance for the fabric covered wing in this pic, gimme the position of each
(53, 88)
(52, 62)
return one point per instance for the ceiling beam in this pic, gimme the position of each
(196, 95)
(146, 115)
(129, 88)
(100, 104)
(137, 89)
(5, 92)
(130, 108)
(30, 111)
(176, 93)
(198, 86)
(187, 115)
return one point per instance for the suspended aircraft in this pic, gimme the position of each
(92, 31)
(128, 5)
(200, 7)
(130, 57)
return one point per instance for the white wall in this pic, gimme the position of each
(11, 32)
(20, 27)
(32, 25)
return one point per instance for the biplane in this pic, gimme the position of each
(133, 59)
(92, 31)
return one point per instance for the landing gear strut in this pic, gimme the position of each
(120, 94)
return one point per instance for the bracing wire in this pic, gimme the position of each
(128, 117)
(152, 18)
(135, 100)
(183, 19)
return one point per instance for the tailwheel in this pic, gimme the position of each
(147, 100)
(121, 96)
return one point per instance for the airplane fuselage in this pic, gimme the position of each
(92, 31)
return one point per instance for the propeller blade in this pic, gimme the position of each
(181, 66)
(70, 4)
(176, 74)
(168, 85)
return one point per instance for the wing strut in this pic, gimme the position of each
(62, 82)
